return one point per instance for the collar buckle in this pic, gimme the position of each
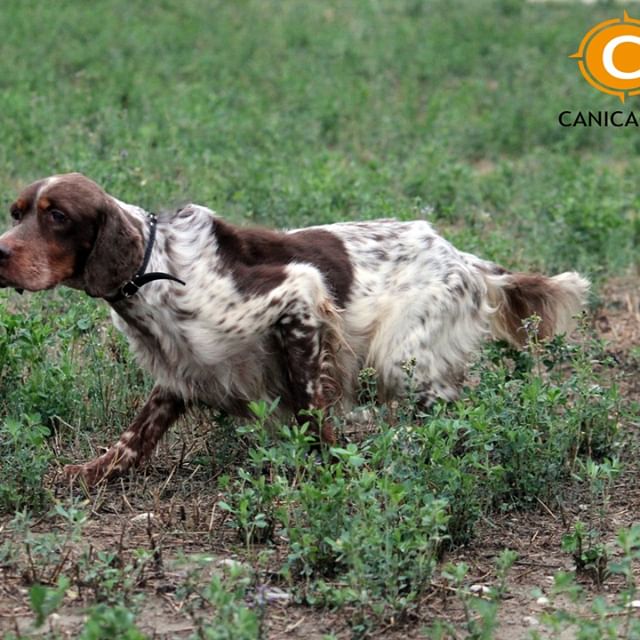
(129, 289)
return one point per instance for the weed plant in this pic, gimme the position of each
(366, 523)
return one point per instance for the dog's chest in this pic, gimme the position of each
(197, 346)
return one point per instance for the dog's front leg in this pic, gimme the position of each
(160, 411)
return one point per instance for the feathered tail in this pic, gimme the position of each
(517, 296)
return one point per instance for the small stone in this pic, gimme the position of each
(542, 601)
(274, 594)
(532, 621)
(479, 588)
(54, 621)
(634, 604)
(230, 563)
(142, 518)
(72, 593)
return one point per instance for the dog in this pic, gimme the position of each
(223, 315)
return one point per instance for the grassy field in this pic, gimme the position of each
(456, 524)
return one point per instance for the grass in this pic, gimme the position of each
(286, 114)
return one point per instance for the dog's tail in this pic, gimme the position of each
(514, 297)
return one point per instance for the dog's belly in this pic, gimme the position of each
(180, 361)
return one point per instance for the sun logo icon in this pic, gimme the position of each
(609, 57)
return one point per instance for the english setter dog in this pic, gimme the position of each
(222, 315)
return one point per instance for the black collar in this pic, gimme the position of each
(141, 278)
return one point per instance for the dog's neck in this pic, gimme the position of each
(154, 258)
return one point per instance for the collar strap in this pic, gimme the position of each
(141, 278)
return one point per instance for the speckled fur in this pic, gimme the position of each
(295, 315)
(206, 341)
(414, 296)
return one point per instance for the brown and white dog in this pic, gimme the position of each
(265, 314)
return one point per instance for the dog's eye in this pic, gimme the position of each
(16, 214)
(57, 215)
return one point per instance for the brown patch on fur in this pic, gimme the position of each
(97, 248)
(526, 295)
(257, 257)
(117, 245)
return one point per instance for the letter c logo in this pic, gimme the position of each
(609, 57)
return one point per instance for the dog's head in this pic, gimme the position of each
(67, 230)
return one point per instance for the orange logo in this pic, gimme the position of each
(609, 57)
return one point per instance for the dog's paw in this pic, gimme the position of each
(89, 473)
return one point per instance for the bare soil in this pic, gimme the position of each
(186, 522)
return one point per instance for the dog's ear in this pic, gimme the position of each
(116, 254)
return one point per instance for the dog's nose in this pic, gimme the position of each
(5, 252)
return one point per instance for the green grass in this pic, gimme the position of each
(289, 113)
